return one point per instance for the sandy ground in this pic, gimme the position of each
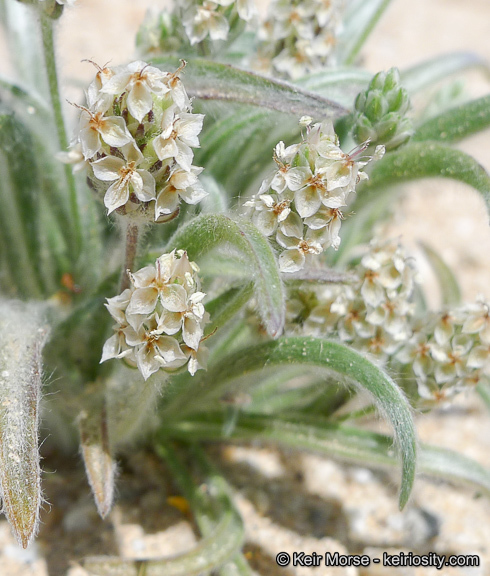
(313, 504)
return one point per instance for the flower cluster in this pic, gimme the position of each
(203, 18)
(373, 314)
(450, 352)
(300, 204)
(299, 36)
(160, 319)
(442, 353)
(136, 135)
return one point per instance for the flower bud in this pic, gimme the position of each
(380, 112)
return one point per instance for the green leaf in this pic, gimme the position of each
(340, 84)
(424, 160)
(217, 519)
(360, 19)
(483, 389)
(206, 232)
(216, 202)
(19, 194)
(209, 80)
(239, 145)
(453, 467)
(457, 123)
(415, 160)
(439, 68)
(448, 283)
(225, 306)
(21, 24)
(23, 334)
(337, 441)
(97, 457)
(332, 356)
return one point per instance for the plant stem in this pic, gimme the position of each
(132, 233)
(50, 60)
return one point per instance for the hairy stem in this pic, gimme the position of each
(132, 233)
(50, 60)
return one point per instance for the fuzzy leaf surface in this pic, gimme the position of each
(345, 443)
(208, 231)
(209, 80)
(22, 337)
(425, 160)
(439, 68)
(457, 123)
(448, 283)
(328, 355)
(360, 19)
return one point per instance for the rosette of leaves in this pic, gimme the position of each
(61, 257)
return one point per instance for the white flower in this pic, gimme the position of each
(198, 359)
(188, 320)
(154, 351)
(451, 359)
(199, 21)
(140, 82)
(73, 156)
(179, 134)
(94, 128)
(293, 258)
(478, 321)
(182, 184)
(269, 212)
(154, 284)
(126, 178)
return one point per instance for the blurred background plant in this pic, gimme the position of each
(273, 256)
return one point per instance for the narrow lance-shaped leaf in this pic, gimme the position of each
(205, 510)
(23, 36)
(423, 160)
(439, 68)
(209, 80)
(239, 145)
(457, 123)
(341, 442)
(209, 231)
(360, 19)
(223, 538)
(483, 389)
(341, 84)
(99, 464)
(332, 356)
(22, 337)
(448, 284)
(226, 305)
(19, 199)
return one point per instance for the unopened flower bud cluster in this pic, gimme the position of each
(381, 112)
(373, 314)
(300, 204)
(299, 36)
(450, 353)
(160, 319)
(136, 135)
